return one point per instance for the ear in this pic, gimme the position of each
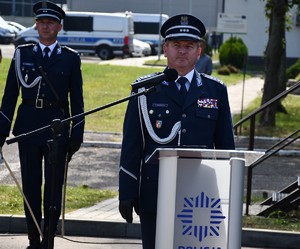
(199, 51)
(59, 27)
(165, 48)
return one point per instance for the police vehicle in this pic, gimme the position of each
(147, 27)
(104, 34)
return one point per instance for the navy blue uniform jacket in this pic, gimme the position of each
(205, 121)
(64, 72)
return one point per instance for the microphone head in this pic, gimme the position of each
(171, 74)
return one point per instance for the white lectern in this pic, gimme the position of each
(200, 197)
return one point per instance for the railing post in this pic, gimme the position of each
(249, 189)
(249, 175)
(252, 133)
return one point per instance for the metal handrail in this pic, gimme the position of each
(251, 116)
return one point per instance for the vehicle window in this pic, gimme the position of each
(78, 23)
(146, 27)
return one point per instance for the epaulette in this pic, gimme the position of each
(70, 49)
(212, 78)
(145, 77)
(27, 45)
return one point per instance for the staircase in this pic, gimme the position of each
(285, 200)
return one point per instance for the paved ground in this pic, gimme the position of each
(18, 242)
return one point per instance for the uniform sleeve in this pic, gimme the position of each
(9, 100)
(131, 153)
(224, 138)
(76, 100)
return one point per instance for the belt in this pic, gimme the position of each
(41, 103)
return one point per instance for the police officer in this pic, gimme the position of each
(204, 63)
(50, 83)
(192, 111)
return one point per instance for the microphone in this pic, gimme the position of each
(169, 75)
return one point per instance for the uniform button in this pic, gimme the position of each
(151, 111)
(148, 178)
(44, 84)
(159, 115)
(183, 115)
(208, 116)
(167, 112)
(43, 95)
(183, 131)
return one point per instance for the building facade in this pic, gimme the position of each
(256, 38)
(203, 9)
(21, 7)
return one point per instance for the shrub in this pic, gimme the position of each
(233, 51)
(224, 70)
(293, 71)
(233, 69)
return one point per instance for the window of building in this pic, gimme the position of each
(78, 23)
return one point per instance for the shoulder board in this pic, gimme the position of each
(212, 78)
(146, 77)
(28, 45)
(70, 49)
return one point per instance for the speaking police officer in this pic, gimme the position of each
(48, 78)
(192, 111)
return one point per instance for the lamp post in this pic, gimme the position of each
(13, 9)
(160, 23)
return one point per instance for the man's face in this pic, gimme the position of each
(48, 29)
(182, 55)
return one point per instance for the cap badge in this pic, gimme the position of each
(44, 4)
(184, 20)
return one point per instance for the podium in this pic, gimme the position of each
(200, 197)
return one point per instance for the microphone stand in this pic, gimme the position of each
(56, 127)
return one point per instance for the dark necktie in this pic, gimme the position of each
(183, 91)
(46, 53)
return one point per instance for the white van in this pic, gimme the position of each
(147, 28)
(104, 34)
(7, 33)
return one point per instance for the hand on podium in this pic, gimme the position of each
(126, 209)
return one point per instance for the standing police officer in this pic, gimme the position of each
(45, 97)
(192, 111)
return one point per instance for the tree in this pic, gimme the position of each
(275, 57)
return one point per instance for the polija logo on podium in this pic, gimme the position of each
(201, 217)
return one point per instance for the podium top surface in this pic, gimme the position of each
(193, 153)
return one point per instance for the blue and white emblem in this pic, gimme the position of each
(201, 206)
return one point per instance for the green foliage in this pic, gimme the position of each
(103, 84)
(224, 70)
(227, 70)
(285, 123)
(293, 71)
(233, 51)
(233, 69)
(76, 197)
